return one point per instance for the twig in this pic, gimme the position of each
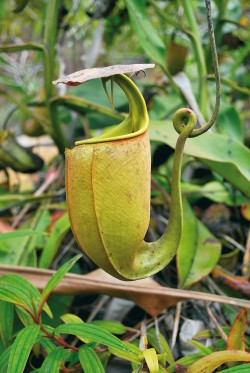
(176, 324)
(215, 322)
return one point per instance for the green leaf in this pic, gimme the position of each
(19, 233)
(136, 358)
(239, 369)
(160, 344)
(229, 123)
(185, 361)
(53, 361)
(4, 359)
(215, 191)
(146, 33)
(203, 349)
(57, 277)
(227, 157)
(26, 289)
(70, 317)
(8, 294)
(95, 334)
(151, 360)
(60, 229)
(198, 251)
(6, 321)
(90, 361)
(21, 348)
(48, 345)
(209, 363)
(113, 327)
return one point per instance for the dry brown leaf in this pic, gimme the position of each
(237, 283)
(147, 293)
(82, 76)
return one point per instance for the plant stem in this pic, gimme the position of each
(199, 55)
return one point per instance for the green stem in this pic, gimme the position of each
(199, 55)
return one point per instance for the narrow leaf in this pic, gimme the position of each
(151, 360)
(94, 334)
(127, 355)
(53, 243)
(203, 349)
(6, 321)
(236, 335)
(4, 359)
(25, 290)
(56, 278)
(160, 344)
(20, 233)
(21, 348)
(146, 33)
(185, 361)
(209, 363)
(90, 361)
(239, 369)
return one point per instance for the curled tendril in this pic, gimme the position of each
(184, 121)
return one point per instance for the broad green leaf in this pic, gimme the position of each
(21, 348)
(160, 344)
(239, 369)
(151, 360)
(236, 335)
(6, 321)
(198, 251)
(113, 327)
(209, 363)
(57, 277)
(229, 123)
(146, 33)
(90, 361)
(60, 229)
(53, 361)
(227, 157)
